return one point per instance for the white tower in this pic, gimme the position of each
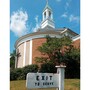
(47, 21)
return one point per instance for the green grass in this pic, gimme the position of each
(70, 84)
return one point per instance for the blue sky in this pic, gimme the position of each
(26, 15)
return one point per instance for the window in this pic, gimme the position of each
(49, 14)
(45, 15)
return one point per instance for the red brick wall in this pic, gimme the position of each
(35, 44)
(35, 53)
(38, 42)
(77, 43)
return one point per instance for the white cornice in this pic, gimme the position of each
(76, 38)
(53, 33)
(64, 30)
(35, 37)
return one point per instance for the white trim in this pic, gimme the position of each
(64, 30)
(30, 53)
(16, 60)
(47, 22)
(76, 38)
(37, 36)
(24, 56)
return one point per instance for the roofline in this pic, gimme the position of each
(50, 32)
(76, 38)
(69, 30)
(73, 31)
(35, 34)
(47, 6)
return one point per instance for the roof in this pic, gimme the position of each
(76, 38)
(45, 31)
(47, 7)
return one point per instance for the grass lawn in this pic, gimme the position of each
(70, 84)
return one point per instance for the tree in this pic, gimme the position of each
(53, 49)
(61, 51)
(72, 61)
(48, 68)
(12, 59)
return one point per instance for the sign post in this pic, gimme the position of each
(60, 71)
(46, 80)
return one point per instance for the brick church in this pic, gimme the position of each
(27, 45)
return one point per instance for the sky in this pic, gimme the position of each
(26, 16)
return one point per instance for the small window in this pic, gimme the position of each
(45, 15)
(49, 14)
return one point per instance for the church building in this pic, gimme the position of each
(27, 45)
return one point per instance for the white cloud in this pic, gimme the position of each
(36, 19)
(67, 4)
(74, 18)
(64, 15)
(71, 17)
(18, 23)
(34, 29)
(58, 0)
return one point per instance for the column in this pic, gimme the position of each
(24, 54)
(60, 71)
(30, 53)
(51, 15)
(47, 14)
(43, 16)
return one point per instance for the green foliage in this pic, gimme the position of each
(48, 68)
(12, 59)
(58, 51)
(52, 49)
(72, 61)
(20, 73)
(13, 55)
(12, 63)
(13, 75)
(16, 74)
(41, 59)
(72, 53)
(30, 68)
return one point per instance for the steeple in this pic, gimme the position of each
(47, 20)
(47, 2)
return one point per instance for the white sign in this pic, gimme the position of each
(42, 80)
(46, 80)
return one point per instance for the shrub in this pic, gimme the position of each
(20, 73)
(48, 68)
(30, 68)
(16, 73)
(13, 75)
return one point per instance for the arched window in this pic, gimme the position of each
(49, 14)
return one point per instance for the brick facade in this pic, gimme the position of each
(36, 43)
(77, 43)
(35, 53)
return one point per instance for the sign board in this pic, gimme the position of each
(42, 80)
(46, 80)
